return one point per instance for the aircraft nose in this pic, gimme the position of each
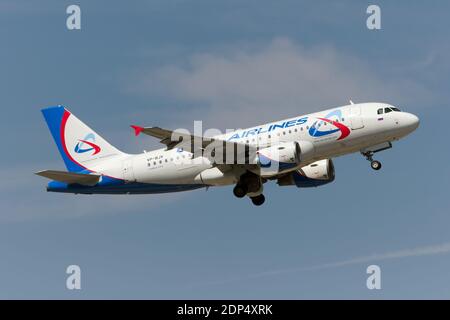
(411, 121)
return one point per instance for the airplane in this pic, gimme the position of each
(293, 152)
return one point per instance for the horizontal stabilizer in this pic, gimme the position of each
(70, 177)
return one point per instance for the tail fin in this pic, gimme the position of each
(80, 146)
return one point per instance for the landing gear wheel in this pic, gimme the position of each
(258, 200)
(240, 191)
(376, 165)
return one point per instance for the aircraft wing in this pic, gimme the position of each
(166, 136)
(179, 139)
(71, 177)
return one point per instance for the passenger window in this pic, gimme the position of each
(380, 111)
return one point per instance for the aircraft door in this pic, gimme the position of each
(128, 173)
(356, 120)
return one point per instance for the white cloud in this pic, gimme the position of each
(245, 85)
(414, 252)
(373, 258)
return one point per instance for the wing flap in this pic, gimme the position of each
(70, 177)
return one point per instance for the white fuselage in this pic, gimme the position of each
(366, 128)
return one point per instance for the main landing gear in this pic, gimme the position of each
(375, 164)
(258, 200)
(250, 185)
(240, 190)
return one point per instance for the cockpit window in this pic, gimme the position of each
(380, 111)
(390, 109)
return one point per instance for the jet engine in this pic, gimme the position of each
(283, 157)
(313, 175)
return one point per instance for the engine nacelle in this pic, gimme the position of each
(316, 174)
(283, 157)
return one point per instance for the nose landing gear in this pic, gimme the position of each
(374, 164)
(370, 151)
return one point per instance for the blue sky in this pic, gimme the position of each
(231, 64)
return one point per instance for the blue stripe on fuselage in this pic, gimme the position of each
(115, 186)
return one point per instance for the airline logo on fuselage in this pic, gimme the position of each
(334, 119)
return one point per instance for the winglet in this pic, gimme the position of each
(137, 129)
